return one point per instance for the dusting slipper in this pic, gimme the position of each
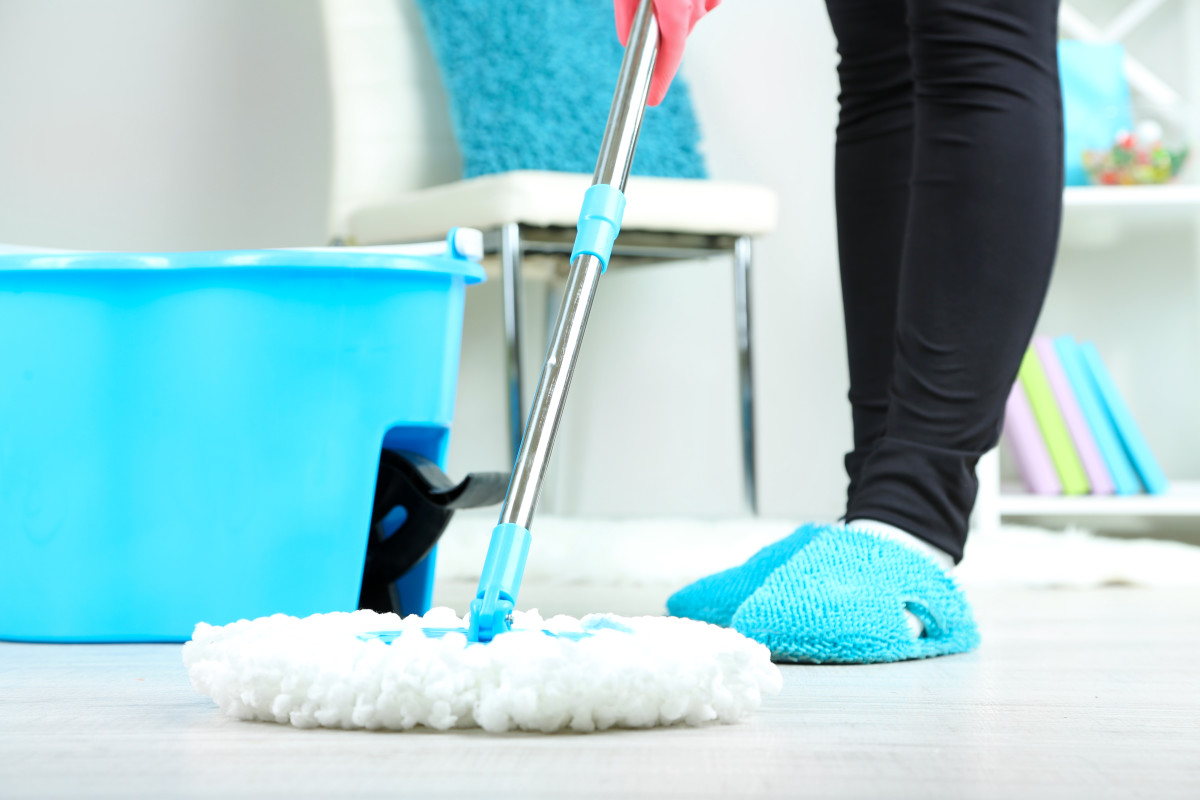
(715, 598)
(842, 596)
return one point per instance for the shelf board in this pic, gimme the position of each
(1182, 499)
(1175, 197)
(1096, 217)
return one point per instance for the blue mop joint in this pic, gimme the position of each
(492, 608)
(599, 223)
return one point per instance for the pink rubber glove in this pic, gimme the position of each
(676, 18)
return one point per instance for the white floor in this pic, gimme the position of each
(672, 552)
(1075, 693)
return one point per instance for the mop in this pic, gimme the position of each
(501, 669)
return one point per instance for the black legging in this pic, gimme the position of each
(949, 198)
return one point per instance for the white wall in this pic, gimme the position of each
(141, 124)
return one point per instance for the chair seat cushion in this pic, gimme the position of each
(552, 199)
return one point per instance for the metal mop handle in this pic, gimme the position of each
(612, 168)
(599, 222)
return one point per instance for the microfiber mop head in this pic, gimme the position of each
(562, 673)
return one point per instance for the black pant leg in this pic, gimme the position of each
(873, 168)
(984, 214)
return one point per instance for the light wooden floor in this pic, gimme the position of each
(1074, 694)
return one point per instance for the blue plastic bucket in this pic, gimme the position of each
(192, 437)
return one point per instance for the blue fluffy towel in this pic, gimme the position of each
(530, 83)
(833, 594)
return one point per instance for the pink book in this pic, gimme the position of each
(1085, 443)
(1027, 445)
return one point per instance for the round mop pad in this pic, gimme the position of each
(546, 675)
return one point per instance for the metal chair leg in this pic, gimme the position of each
(742, 257)
(510, 276)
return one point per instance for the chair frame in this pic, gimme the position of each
(377, 55)
(512, 241)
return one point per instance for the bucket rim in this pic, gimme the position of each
(302, 259)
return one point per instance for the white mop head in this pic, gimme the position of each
(316, 672)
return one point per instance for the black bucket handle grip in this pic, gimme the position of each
(429, 499)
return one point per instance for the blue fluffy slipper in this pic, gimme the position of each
(841, 597)
(714, 599)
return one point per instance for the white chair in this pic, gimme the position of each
(397, 180)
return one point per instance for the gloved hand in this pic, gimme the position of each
(676, 18)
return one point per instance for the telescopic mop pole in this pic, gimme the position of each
(599, 224)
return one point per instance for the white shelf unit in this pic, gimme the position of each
(1006, 501)
(1097, 217)
(1101, 216)
(1181, 500)
(1173, 201)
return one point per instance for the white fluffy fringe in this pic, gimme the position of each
(315, 672)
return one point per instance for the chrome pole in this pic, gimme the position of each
(612, 167)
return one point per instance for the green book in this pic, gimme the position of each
(1054, 428)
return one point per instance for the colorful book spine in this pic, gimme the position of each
(1118, 411)
(1054, 429)
(1027, 445)
(1081, 435)
(1124, 477)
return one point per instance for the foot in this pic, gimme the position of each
(886, 531)
(844, 596)
(714, 599)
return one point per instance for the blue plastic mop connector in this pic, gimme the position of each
(599, 222)
(491, 610)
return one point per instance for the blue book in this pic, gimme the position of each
(1122, 419)
(1119, 465)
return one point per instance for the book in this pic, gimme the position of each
(1124, 477)
(1027, 445)
(1054, 429)
(1081, 434)
(1128, 431)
